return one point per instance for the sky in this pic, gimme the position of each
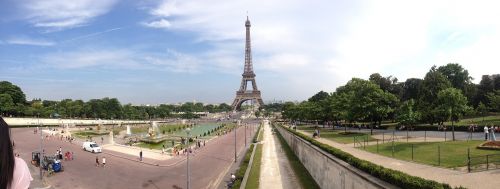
(170, 51)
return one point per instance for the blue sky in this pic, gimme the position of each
(167, 51)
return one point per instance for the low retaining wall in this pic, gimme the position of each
(327, 170)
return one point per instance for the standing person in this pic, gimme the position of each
(14, 173)
(485, 132)
(97, 161)
(140, 155)
(103, 161)
(102, 140)
(493, 137)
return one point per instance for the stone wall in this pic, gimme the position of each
(327, 170)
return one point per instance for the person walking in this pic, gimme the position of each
(485, 132)
(140, 155)
(96, 161)
(14, 172)
(103, 161)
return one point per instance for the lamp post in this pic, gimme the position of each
(188, 132)
(41, 147)
(245, 135)
(235, 127)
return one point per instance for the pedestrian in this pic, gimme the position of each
(14, 172)
(96, 161)
(485, 132)
(102, 140)
(103, 161)
(493, 137)
(140, 155)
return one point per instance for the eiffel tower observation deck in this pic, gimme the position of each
(248, 76)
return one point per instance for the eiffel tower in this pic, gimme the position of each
(243, 94)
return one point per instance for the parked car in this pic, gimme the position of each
(91, 147)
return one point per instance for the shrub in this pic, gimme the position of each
(240, 173)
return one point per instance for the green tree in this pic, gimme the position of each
(494, 98)
(257, 114)
(456, 74)
(6, 104)
(407, 114)
(14, 91)
(411, 89)
(454, 104)
(485, 86)
(432, 84)
(364, 100)
(482, 109)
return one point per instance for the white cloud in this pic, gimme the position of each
(170, 60)
(29, 41)
(57, 15)
(162, 23)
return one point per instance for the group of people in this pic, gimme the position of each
(489, 132)
(103, 163)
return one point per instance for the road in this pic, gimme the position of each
(208, 165)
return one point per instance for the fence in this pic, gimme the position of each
(482, 163)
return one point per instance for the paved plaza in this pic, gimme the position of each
(208, 165)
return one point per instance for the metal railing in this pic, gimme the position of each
(482, 163)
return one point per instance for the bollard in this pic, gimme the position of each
(487, 163)
(445, 135)
(425, 136)
(407, 134)
(392, 148)
(468, 160)
(412, 152)
(364, 142)
(439, 155)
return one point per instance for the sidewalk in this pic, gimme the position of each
(483, 179)
(276, 171)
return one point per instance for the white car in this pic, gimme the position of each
(91, 147)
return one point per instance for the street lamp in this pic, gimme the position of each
(235, 127)
(245, 135)
(40, 156)
(188, 132)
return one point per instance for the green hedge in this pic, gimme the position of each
(391, 176)
(240, 173)
(255, 138)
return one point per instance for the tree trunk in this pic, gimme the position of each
(452, 130)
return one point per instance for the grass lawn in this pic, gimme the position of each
(453, 153)
(493, 119)
(305, 179)
(253, 177)
(346, 137)
(338, 136)
(85, 134)
(156, 146)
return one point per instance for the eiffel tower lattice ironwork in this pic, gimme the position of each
(243, 94)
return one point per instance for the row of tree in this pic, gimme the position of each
(445, 93)
(13, 103)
